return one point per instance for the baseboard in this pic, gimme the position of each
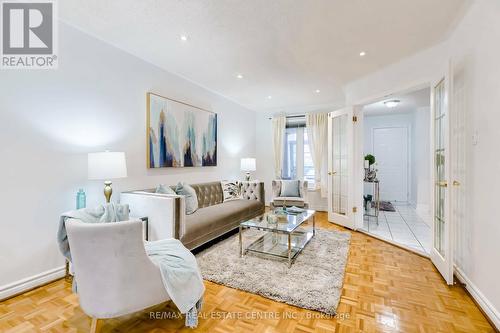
(485, 305)
(29, 283)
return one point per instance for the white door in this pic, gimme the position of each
(340, 167)
(442, 226)
(390, 147)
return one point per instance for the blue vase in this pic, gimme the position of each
(81, 199)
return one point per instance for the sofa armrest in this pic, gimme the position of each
(276, 189)
(252, 190)
(165, 212)
(304, 190)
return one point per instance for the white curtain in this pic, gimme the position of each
(317, 131)
(279, 124)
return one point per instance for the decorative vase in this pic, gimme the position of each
(81, 199)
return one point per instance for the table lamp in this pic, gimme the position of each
(105, 166)
(247, 165)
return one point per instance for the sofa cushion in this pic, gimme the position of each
(231, 190)
(211, 218)
(164, 189)
(190, 195)
(290, 188)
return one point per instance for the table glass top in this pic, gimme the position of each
(286, 222)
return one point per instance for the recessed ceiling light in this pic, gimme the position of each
(269, 97)
(362, 53)
(239, 76)
(184, 38)
(392, 103)
(317, 91)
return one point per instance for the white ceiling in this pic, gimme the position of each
(409, 102)
(284, 49)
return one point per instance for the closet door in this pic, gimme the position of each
(340, 167)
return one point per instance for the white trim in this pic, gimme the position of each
(29, 283)
(478, 296)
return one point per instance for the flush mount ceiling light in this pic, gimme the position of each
(184, 38)
(317, 91)
(362, 53)
(392, 103)
(239, 76)
(269, 97)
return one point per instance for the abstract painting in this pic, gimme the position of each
(179, 134)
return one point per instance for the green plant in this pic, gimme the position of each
(370, 158)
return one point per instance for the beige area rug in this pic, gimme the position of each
(313, 282)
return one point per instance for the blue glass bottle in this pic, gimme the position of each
(81, 199)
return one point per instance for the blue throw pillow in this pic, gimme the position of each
(290, 188)
(164, 189)
(190, 194)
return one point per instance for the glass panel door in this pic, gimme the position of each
(339, 161)
(442, 227)
(439, 166)
(340, 154)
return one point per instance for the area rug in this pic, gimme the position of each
(385, 206)
(313, 282)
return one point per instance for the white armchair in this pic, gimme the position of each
(278, 200)
(113, 273)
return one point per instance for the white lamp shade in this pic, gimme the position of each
(248, 164)
(107, 165)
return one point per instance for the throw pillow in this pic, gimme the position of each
(289, 188)
(231, 190)
(190, 194)
(164, 189)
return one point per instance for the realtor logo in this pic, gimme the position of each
(28, 35)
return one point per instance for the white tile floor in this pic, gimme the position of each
(404, 226)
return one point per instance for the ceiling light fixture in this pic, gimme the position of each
(392, 103)
(317, 91)
(239, 76)
(269, 97)
(184, 38)
(362, 53)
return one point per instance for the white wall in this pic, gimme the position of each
(475, 53)
(96, 100)
(420, 180)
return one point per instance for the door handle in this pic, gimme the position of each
(331, 172)
(456, 183)
(442, 183)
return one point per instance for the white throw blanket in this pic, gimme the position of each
(180, 275)
(109, 212)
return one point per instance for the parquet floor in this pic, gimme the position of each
(386, 289)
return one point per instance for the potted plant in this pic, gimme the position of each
(370, 175)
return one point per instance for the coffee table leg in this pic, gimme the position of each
(289, 250)
(241, 244)
(314, 225)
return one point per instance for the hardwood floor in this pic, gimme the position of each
(386, 289)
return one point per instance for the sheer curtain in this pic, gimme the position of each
(317, 131)
(279, 124)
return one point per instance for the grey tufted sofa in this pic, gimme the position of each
(167, 218)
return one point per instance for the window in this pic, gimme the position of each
(297, 163)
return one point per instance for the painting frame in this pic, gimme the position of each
(183, 154)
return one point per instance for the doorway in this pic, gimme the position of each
(396, 187)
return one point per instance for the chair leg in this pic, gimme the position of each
(95, 327)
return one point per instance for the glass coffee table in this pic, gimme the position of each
(284, 239)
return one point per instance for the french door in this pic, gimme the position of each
(442, 226)
(340, 167)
